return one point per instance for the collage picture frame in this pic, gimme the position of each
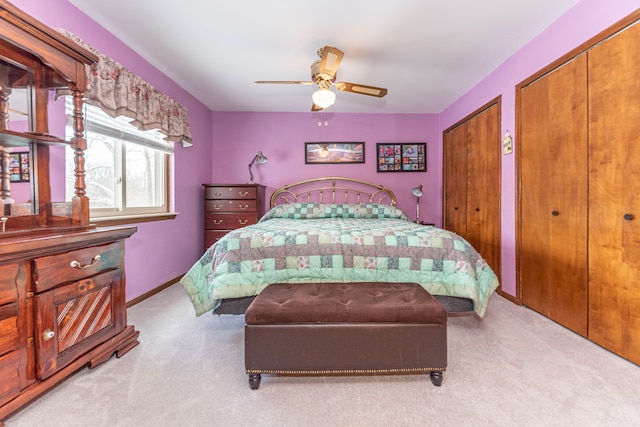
(401, 156)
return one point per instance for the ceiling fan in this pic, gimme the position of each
(323, 73)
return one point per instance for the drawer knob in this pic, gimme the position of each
(244, 208)
(76, 264)
(243, 193)
(217, 221)
(217, 194)
(48, 334)
(243, 221)
(217, 207)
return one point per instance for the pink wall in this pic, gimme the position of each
(578, 25)
(225, 142)
(281, 137)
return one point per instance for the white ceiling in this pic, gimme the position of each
(426, 52)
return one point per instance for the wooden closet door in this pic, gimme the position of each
(484, 151)
(455, 180)
(553, 195)
(614, 194)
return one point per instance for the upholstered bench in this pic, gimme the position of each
(345, 329)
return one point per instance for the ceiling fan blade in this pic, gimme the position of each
(361, 89)
(315, 107)
(285, 82)
(331, 58)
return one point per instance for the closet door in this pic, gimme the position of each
(484, 151)
(455, 180)
(614, 194)
(553, 195)
(471, 170)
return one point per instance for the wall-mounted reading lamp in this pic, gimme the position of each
(417, 192)
(260, 158)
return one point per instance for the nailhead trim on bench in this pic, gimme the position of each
(344, 371)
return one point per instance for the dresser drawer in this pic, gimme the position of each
(54, 270)
(9, 334)
(8, 285)
(214, 206)
(229, 221)
(9, 372)
(230, 192)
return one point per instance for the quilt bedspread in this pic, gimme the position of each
(336, 244)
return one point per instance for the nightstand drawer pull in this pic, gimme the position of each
(76, 264)
(244, 208)
(217, 207)
(243, 193)
(243, 222)
(217, 221)
(217, 194)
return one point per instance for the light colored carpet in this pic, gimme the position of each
(515, 367)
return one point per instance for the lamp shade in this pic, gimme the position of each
(323, 98)
(261, 158)
(417, 191)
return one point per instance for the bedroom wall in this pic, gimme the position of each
(281, 137)
(579, 24)
(162, 250)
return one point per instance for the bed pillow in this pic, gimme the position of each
(332, 210)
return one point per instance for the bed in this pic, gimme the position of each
(337, 229)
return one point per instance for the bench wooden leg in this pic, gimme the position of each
(254, 381)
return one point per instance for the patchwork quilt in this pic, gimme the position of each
(313, 242)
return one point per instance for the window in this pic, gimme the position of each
(126, 169)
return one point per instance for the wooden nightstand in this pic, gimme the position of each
(230, 206)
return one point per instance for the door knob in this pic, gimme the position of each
(628, 217)
(555, 213)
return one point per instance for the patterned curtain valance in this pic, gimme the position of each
(119, 92)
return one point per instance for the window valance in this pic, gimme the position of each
(119, 92)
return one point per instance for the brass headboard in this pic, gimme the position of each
(333, 189)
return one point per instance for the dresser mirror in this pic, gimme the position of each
(33, 67)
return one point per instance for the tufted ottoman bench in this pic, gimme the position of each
(345, 329)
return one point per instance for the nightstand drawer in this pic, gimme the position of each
(213, 206)
(212, 236)
(228, 221)
(230, 192)
(66, 267)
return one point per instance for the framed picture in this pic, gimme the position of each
(333, 152)
(402, 157)
(19, 167)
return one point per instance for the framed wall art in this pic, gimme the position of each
(19, 167)
(333, 152)
(402, 156)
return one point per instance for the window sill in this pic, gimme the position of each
(132, 219)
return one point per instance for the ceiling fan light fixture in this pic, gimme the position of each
(323, 98)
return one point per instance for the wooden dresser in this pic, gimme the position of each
(62, 307)
(230, 206)
(62, 279)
